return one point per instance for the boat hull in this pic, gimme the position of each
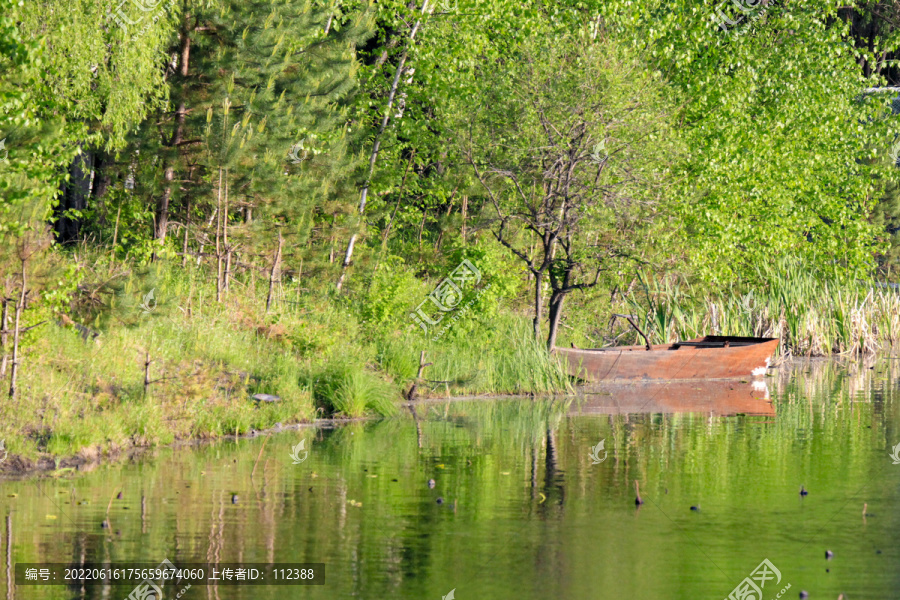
(710, 357)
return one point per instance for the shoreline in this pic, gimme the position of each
(16, 466)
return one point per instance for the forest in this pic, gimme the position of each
(219, 215)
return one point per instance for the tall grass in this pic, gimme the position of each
(352, 391)
(810, 315)
(499, 356)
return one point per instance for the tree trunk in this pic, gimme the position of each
(275, 264)
(20, 306)
(184, 245)
(208, 225)
(101, 181)
(377, 144)
(227, 273)
(4, 337)
(162, 209)
(226, 247)
(331, 17)
(557, 299)
(411, 394)
(465, 211)
(219, 240)
(147, 374)
(422, 225)
(74, 196)
(538, 305)
(116, 230)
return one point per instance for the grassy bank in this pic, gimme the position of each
(118, 368)
(121, 369)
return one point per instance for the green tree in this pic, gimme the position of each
(33, 148)
(105, 66)
(261, 138)
(570, 137)
(784, 156)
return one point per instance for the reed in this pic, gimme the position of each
(811, 315)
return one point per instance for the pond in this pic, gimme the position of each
(514, 499)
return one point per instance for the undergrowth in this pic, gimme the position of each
(126, 368)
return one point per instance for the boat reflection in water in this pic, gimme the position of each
(699, 396)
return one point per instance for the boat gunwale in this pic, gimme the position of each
(741, 342)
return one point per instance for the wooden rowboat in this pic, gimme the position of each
(709, 357)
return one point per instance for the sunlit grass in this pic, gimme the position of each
(496, 357)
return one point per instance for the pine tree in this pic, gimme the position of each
(263, 134)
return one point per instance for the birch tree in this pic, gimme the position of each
(376, 143)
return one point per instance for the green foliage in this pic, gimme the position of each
(699, 159)
(501, 275)
(100, 72)
(348, 389)
(392, 290)
(783, 150)
(31, 131)
(811, 313)
(478, 355)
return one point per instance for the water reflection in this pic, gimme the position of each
(711, 397)
(518, 508)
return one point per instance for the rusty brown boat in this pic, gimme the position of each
(708, 357)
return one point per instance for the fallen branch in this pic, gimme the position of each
(411, 394)
(21, 329)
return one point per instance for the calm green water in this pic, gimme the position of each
(524, 512)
